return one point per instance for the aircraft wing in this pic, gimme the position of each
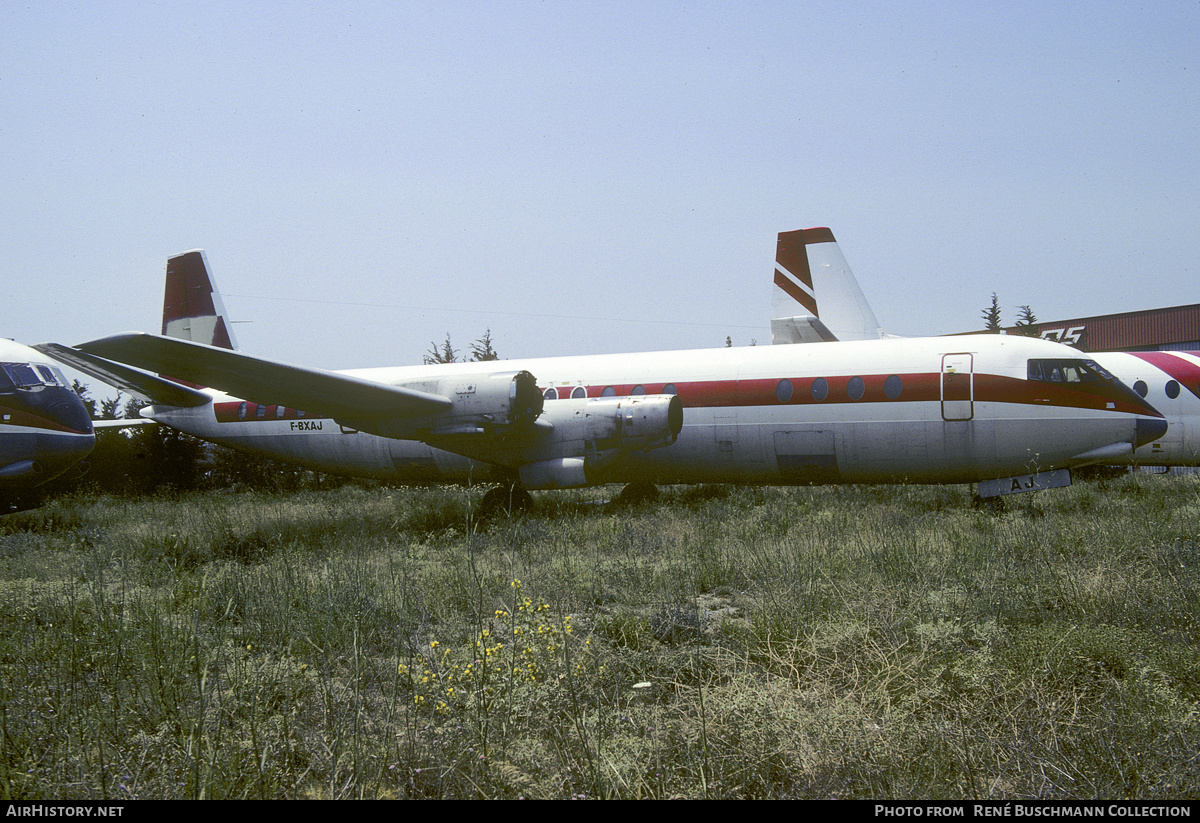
(267, 382)
(123, 423)
(130, 380)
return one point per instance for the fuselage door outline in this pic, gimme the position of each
(958, 386)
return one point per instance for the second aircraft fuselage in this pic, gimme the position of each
(1170, 381)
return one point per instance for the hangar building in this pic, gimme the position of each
(1171, 329)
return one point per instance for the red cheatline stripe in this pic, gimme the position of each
(917, 387)
(25, 419)
(795, 292)
(1182, 369)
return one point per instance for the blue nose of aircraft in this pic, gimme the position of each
(49, 434)
(61, 452)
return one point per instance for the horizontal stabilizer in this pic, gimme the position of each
(315, 391)
(802, 329)
(129, 380)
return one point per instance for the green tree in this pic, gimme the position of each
(446, 353)
(225, 467)
(1026, 322)
(991, 316)
(109, 407)
(141, 459)
(481, 349)
(85, 395)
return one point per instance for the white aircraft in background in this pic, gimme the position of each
(1170, 380)
(935, 410)
(45, 430)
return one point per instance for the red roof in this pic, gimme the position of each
(1150, 329)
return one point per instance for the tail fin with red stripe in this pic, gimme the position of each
(192, 306)
(816, 297)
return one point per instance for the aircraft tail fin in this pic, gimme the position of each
(192, 306)
(812, 274)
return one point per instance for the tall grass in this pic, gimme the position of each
(721, 642)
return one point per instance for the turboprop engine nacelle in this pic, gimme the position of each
(494, 403)
(589, 434)
(484, 402)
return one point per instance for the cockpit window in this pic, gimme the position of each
(28, 375)
(1068, 371)
(21, 374)
(50, 376)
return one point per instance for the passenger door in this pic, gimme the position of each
(958, 386)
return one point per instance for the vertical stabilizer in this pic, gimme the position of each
(816, 296)
(192, 306)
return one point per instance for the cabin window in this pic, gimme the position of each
(1172, 389)
(856, 388)
(637, 391)
(609, 391)
(820, 389)
(1141, 388)
(669, 389)
(578, 393)
(783, 390)
(280, 411)
(892, 387)
(242, 409)
(550, 393)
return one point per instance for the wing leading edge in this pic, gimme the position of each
(267, 382)
(126, 378)
(494, 416)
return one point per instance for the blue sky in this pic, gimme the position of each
(593, 176)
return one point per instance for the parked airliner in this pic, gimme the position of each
(809, 267)
(45, 429)
(934, 410)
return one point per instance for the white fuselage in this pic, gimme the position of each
(930, 410)
(1170, 381)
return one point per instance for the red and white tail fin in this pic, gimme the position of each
(816, 297)
(192, 306)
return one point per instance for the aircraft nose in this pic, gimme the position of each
(1149, 429)
(59, 453)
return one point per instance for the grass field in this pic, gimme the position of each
(888, 642)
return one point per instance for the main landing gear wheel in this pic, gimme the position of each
(637, 493)
(506, 499)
